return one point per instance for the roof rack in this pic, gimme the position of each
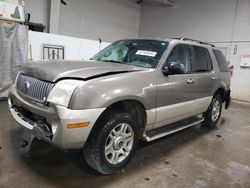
(193, 40)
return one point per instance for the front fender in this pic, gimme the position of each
(102, 92)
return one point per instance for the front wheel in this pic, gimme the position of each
(112, 143)
(212, 115)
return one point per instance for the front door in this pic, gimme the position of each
(176, 93)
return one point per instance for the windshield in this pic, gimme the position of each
(142, 53)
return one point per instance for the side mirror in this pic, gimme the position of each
(165, 70)
(174, 68)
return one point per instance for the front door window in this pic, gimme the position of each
(181, 55)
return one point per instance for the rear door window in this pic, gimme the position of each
(203, 62)
(221, 60)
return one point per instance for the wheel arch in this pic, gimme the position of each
(221, 91)
(132, 106)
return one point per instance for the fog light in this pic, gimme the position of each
(77, 125)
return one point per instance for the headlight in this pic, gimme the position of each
(62, 92)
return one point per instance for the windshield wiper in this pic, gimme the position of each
(112, 61)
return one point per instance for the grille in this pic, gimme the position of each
(33, 88)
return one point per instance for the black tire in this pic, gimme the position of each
(94, 149)
(210, 118)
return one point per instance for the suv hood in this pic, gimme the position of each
(55, 70)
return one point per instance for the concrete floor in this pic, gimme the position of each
(196, 157)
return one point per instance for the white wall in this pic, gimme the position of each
(242, 25)
(212, 21)
(106, 19)
(193, 18)
(39, 11)
(219, 21)
(241, 78)
(75, 48)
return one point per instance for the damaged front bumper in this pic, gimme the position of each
(50, 123)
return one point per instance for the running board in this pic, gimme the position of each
(172, 128)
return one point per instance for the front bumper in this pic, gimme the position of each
(49, 123)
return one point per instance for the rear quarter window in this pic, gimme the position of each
(221, 60)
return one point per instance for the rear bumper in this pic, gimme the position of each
(51, 126)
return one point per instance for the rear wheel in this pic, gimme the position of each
(112, 143)
(212, 115)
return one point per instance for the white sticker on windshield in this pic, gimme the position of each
(146, 53)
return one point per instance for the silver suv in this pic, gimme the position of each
(131, 90)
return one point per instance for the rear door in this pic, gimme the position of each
(205, 78)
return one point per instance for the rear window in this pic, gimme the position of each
(221, 60)
(203, 61)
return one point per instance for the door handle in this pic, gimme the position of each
(190, 81)
(214, 78)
